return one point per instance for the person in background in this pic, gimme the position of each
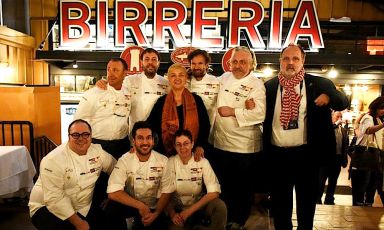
(144, 88)
(192, 207)
(180, 109)
(298, 136)
(237, 134)
(107, 111)
(139, 186)
(62, 196)
(331, 170)
(366, 180)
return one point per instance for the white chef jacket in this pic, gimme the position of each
(145, 92)
(242, 133)
(208, 89)
(67, 180)
(107, 111)
(144, 181)
(189, 179)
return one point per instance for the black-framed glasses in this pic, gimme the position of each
(84, 135)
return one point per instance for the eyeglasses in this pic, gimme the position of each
(76, 136)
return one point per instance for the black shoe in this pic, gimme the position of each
(329, 202)
(234, 226)
(368, 204)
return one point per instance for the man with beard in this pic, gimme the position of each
(237, 134)
(298, 136)
(201, 83)
(138, 186)
(145, 88)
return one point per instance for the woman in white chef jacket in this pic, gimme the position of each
(196, 198)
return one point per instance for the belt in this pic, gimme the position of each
(289, 149)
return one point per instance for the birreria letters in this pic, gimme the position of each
(169, 17)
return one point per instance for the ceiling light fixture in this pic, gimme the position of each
(75, 65)
(333, 73)
(267, 71)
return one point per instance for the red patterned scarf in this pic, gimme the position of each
(290, 101)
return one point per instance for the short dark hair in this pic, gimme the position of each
(198, 52)
(79, 121)
(125, 65)
(149, 50)
(141, 125)
(298, 46)
(375, 105)
(183, 132)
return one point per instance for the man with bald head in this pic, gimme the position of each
(298, 136)
(237, 133)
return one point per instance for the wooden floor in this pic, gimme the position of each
(339, 216)
(14, 215)
(328, 217)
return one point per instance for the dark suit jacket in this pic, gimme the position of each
(320, 133)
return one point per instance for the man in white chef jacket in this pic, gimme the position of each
(138, 186)
(145, 88)
(237, 133)
(62, 196)
(108, 111)
(202, 83)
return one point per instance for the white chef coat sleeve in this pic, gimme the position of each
(210, 180)
(108, 162)
(168, 180)
(254, 116)
(126, 85)
(86, 108)
(118, 176)
(55, 199)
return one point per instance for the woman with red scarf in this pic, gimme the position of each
(179, 109)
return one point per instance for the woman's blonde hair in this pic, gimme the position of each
(177, 66)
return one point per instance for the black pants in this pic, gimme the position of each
(43, 219)
(331, 172)
(293, 168)
(117, 213)
(235, 177)
(364, 185)
(114, 147)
